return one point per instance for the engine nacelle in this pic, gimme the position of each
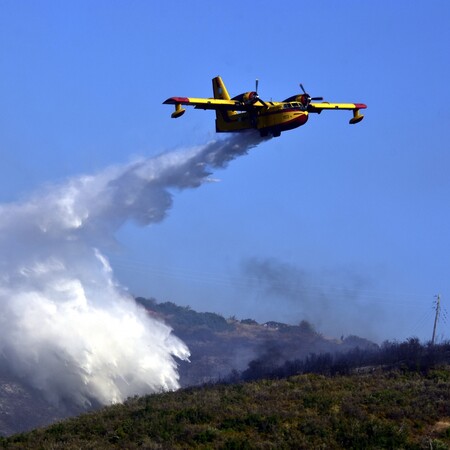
(248, 98)
(304, 99)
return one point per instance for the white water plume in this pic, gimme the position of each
(66, 327)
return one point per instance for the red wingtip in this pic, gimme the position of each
(174, 100)
(360, 106)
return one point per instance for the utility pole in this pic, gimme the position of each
(436, 318)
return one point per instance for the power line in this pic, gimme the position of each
(246, 281)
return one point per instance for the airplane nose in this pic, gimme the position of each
(302, 118)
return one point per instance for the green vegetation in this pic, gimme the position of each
(184, 316)
(378, 410)
(299, 391)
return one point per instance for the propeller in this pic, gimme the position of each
(256, 90)
(308, 98)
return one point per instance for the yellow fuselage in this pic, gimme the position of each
(274, 119)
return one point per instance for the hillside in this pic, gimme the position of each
(394, 409)
(219, 347)
(23, 408)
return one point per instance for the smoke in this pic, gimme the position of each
(66, 327)
(334, 302)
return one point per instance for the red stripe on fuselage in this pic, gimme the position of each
(294, 123)
(289, 124)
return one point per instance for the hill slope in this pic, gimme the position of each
(378, 410)
(218, 347)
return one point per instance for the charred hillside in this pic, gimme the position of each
(222, 346)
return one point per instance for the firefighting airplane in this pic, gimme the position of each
(266, 117)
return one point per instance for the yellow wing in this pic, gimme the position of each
(210, 103)
(355, 107)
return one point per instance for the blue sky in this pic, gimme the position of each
(359, 213)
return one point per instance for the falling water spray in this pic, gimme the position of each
(67, 327)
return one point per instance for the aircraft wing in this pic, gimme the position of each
(319, 107)
(355, 107)
(214, 103)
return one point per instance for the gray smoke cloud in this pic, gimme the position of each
(66, 327)
(332, 301)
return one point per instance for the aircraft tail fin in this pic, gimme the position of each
(222, 117)
(219, 89)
